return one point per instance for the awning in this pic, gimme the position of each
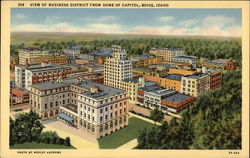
(66, 117)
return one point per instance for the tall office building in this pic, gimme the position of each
(117, 68)
(118, 73)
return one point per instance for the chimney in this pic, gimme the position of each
(26, 64)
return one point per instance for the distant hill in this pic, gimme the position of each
(42, 37)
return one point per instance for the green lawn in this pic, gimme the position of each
(35, 145)
(124, 135)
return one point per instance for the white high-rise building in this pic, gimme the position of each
(118, 73)
(117, 68)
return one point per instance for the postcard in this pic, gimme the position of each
(125, 79)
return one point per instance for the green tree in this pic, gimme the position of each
(156, 115)
(67, 141)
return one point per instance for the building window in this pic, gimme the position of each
(116, 122)
(84, 124)
(106, 126)
(124, 109)
(120, 121)
(124, 119)
(111, 124)
(45, 106)
(111, 107)
(93, 110)
(101, 119)
(101, 128)
(106, 109)
(88, 126)
(51, 104)
(93, 119)
(93, 129)
(115, 113)
(106, 117)
(100, 110)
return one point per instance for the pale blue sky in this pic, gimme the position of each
(220, 22)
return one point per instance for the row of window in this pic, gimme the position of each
(111, 124)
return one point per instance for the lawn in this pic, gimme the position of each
(35, 145)
(124, 135)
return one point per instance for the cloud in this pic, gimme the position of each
(19, 16)
(52, 19)
(165, 18)
(66, 27)
(218, 21)
(208, 26)
(189, 22)
(102, 19)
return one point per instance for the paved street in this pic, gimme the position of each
(19, 107)
(132, 106)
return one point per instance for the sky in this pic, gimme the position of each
(201, 22)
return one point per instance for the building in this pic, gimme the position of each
(177, 102)
(171, 81)
(73, 68)
(27, 75)
(195, 85)
(57, 60)
(141, 92)
(143, 61)
(117, 68)
(118, 73)
(221, 64)
(215, 77)
(74, 50)
(14, 60)
(167, 54)
(30, 54)
(19, 96)
(92, 107)
(150, 74)
(153, 98)
(132, 86)
(93, 67)
(182, 71)
(191, 60)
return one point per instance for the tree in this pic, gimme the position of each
(156, 115)
(67, 141)
(27, 127)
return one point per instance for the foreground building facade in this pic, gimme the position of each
(95, 108)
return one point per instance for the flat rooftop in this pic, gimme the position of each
(104, 91)
(176, 77)
(185, 57)
(39, 67)
(177, 98)
(150, 88)
(163, 92)
(150, 83)
(71, 107)
(215, 63)
(196, 75)
(49, 85)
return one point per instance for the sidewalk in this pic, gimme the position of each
(78, 138)
(130, 145)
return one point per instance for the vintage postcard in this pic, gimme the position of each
(124, 79)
